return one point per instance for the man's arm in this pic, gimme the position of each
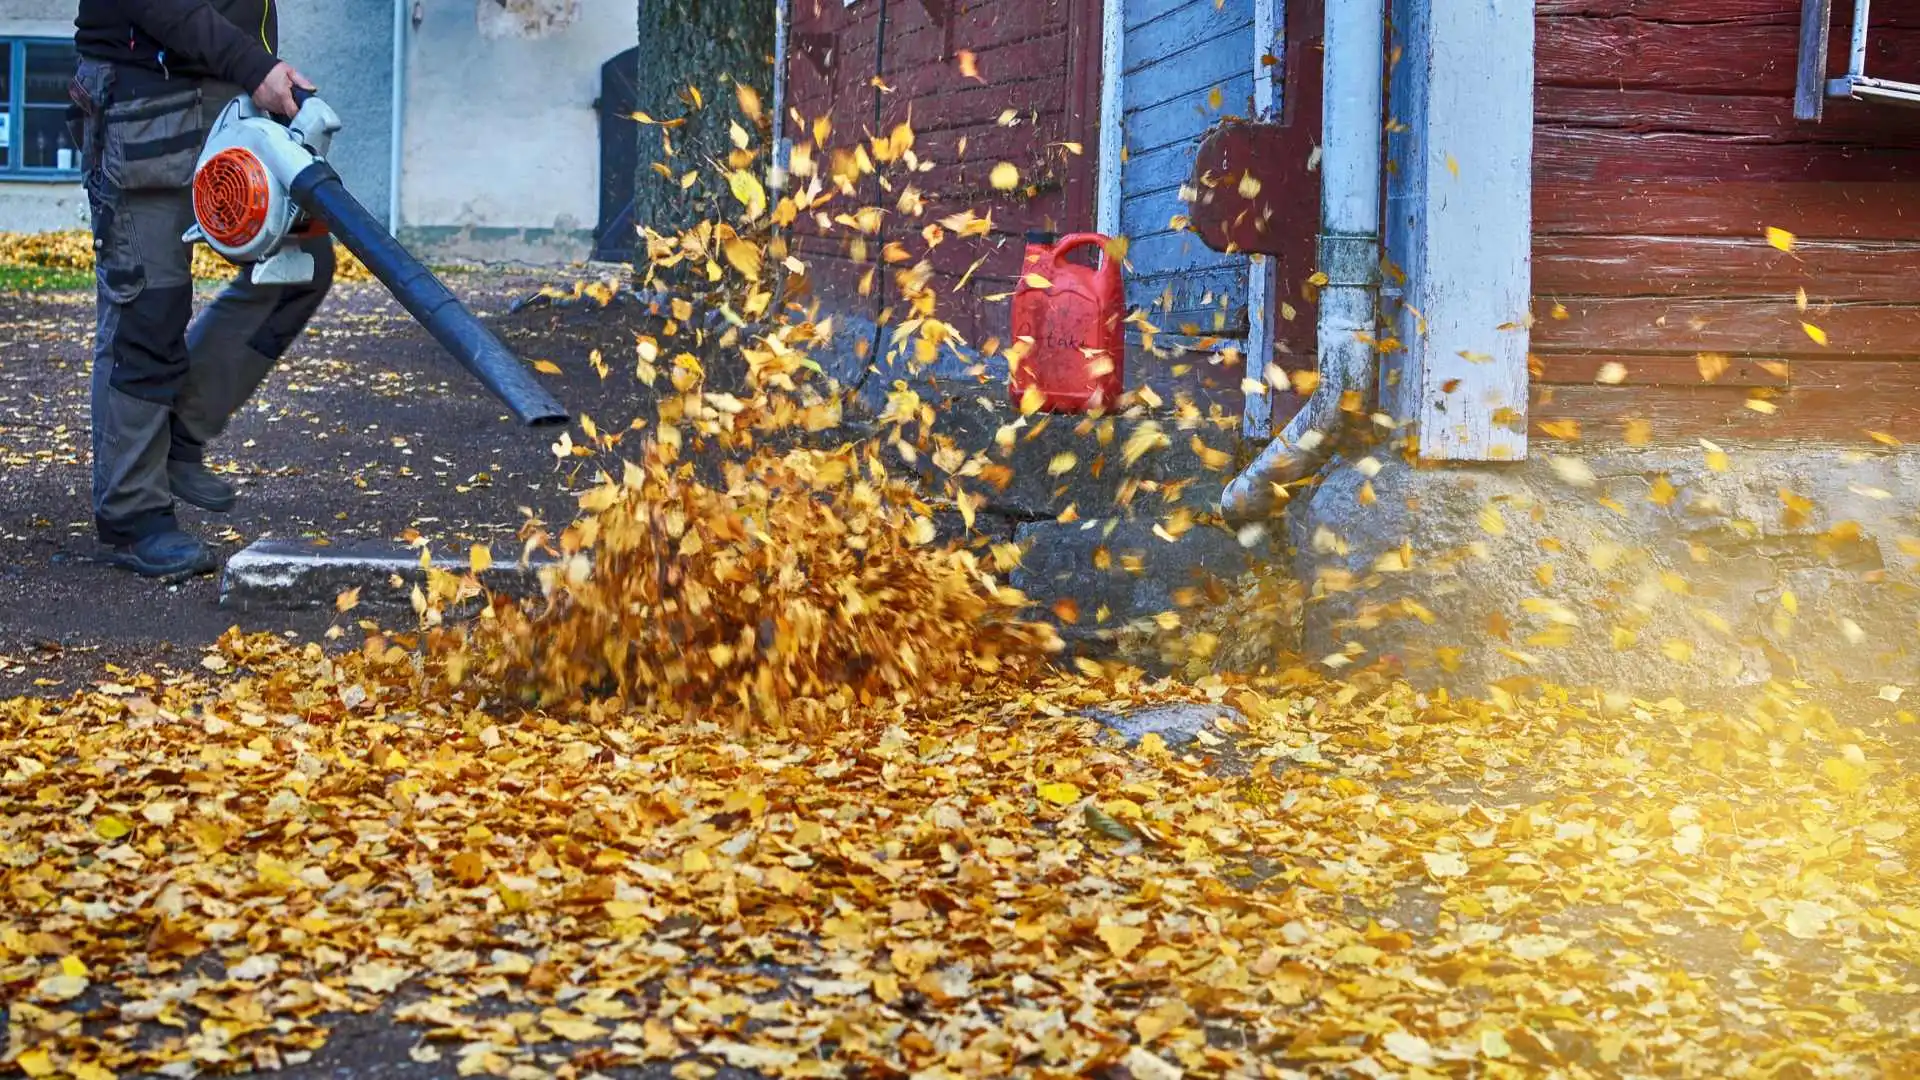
(191, 28)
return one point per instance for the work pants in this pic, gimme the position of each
(165, 384)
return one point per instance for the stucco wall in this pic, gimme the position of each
(37, 18)
(39, 207)
(346, 48)
(500, 132)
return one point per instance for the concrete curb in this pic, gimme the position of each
(294, 575)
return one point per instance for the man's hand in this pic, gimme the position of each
(275, 93)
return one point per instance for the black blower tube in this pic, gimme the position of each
(319, 192)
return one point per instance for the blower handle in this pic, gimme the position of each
(319, 192)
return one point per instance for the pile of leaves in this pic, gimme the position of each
(808, 582)
(71, 250)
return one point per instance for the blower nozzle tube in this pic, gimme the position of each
(319, 192)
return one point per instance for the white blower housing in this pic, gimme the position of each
(243, 204)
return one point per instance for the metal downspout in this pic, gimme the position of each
(780, 145)
(1351, 169)
(398, 105)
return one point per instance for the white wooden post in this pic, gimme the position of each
(1460, 224)
(1269, 39)
(1113, 34)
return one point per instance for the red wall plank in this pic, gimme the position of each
(1740, 327)
(1885, 211)
(1742, 56)
(1724, 267)
(1589, 155)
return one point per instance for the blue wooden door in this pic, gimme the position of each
(1185, 64)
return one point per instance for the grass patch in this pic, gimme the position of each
(42, 279)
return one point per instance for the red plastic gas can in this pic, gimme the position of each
(1073, 316)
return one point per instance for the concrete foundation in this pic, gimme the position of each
(290, 575)
(1677, 570)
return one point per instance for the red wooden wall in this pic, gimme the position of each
(1040, 58)
(1665, 146)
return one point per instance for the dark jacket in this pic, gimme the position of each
(230, 40)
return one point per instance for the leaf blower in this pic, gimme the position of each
(262, 186)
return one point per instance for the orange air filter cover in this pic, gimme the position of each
(230, 197)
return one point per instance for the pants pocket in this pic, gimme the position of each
(152, 143)
(116, 250)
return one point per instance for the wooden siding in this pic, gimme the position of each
(1178, 55)
(1665, 147)
(1039, 58)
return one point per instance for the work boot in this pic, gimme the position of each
(165, 555)
(192, 482)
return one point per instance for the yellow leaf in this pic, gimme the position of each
(1005, 176)
(1845, 775)
(112, 828)
(546, 367)
(1120, 940)
(1062, 463)
(571, 1027)
(347, 600)
(1807, 918)
(1712, 365)
(1492, 521)
(1444, 864)
(61, 987)
(35, 1063)
(1409, 1048)
(1612, 373)
(969, 64)
(744, 257)
(1818, 335)
(1453, 166)
(1060, 793)
(274, 873)
(747, 188)
(1574, 472)
(480, 558)
(1780, 238)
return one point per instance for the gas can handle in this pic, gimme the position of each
(1109, 266)
(1072, 241)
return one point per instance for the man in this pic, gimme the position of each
(152, 77)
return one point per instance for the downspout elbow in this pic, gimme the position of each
(1346, 367)
(1351, 174)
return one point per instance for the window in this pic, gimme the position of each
(34, 145)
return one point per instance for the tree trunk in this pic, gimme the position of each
(706, 45)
